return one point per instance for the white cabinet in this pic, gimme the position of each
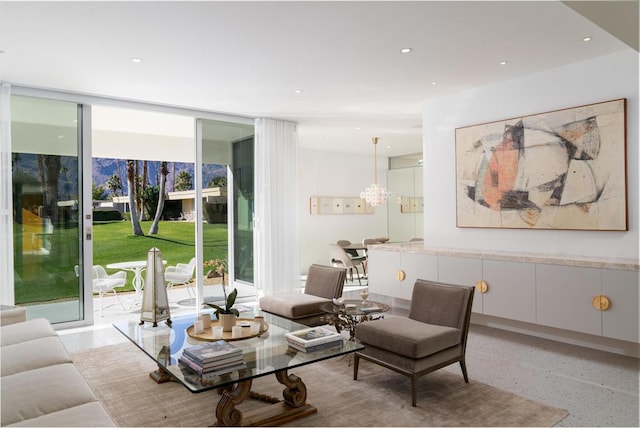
(381, 271)
(547, 294)
(418, 266)
(564, 297)
(394, 274)
(511, 291)
(462, 271)
(620, 321)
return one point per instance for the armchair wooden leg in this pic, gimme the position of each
(463, 366)
(414, 398)
(356, 361)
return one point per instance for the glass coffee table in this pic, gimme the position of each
(265, 355)
(351, 313)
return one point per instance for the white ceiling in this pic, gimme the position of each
(248, 58)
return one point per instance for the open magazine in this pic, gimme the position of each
(313, 336)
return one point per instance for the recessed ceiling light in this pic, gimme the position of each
(586, 39)
(405, 50)
(434, 83)
(297, 91)
(136, 60)
(503, 62)
(358, 128)
(60, 137)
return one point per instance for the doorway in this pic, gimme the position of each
(46, 176)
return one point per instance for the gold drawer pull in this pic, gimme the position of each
(482, 286)
(601, 302)
(400, 275)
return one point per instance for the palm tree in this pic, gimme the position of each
(164, 171)
(183, 181)
(131, 180)
(141, 191)
(114, 184)
(220, 181)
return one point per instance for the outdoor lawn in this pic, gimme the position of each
(113, 242)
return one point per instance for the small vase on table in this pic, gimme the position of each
(227, 321)
(364, 294)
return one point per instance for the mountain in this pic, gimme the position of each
(104, 168)
(26, 171)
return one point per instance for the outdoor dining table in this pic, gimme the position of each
(137, 267)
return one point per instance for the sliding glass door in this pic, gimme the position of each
(46, 175)
(243, 204)
(55, 237)
(227, 194)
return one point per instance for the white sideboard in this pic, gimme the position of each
(598, 297)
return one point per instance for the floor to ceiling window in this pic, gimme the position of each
(127, 150)
(227, 190)
(46, 183)
(137, 157)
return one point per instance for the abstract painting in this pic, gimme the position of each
(564, 169)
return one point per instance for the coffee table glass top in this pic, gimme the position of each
(264, 355)
(354, 307)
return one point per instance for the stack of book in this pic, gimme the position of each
(212, 358)
(313, 339)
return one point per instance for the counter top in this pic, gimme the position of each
(559, 259)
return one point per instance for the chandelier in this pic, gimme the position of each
(375, 195)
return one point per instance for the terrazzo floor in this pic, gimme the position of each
(597, 388)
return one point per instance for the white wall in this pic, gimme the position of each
(600, 79)
(326, 173)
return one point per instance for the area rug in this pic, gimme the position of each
(119, 374)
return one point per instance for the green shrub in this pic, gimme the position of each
(215, 213)
(106, 215)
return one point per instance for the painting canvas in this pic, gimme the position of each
(564, 169)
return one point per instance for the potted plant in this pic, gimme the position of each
(228, 314)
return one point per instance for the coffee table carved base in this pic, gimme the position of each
(293, 407)
(160, 375)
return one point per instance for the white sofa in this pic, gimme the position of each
(39, 385)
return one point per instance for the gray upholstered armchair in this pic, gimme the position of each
(433, 336)
(323, 284)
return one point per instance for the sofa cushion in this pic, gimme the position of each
(293, 306)
(33, 354)
(85, 415)
(404, 336)
(38, 392)
(12, 314)
(25, 331)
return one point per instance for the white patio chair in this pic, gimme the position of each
(104, 283)
(181, 273)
